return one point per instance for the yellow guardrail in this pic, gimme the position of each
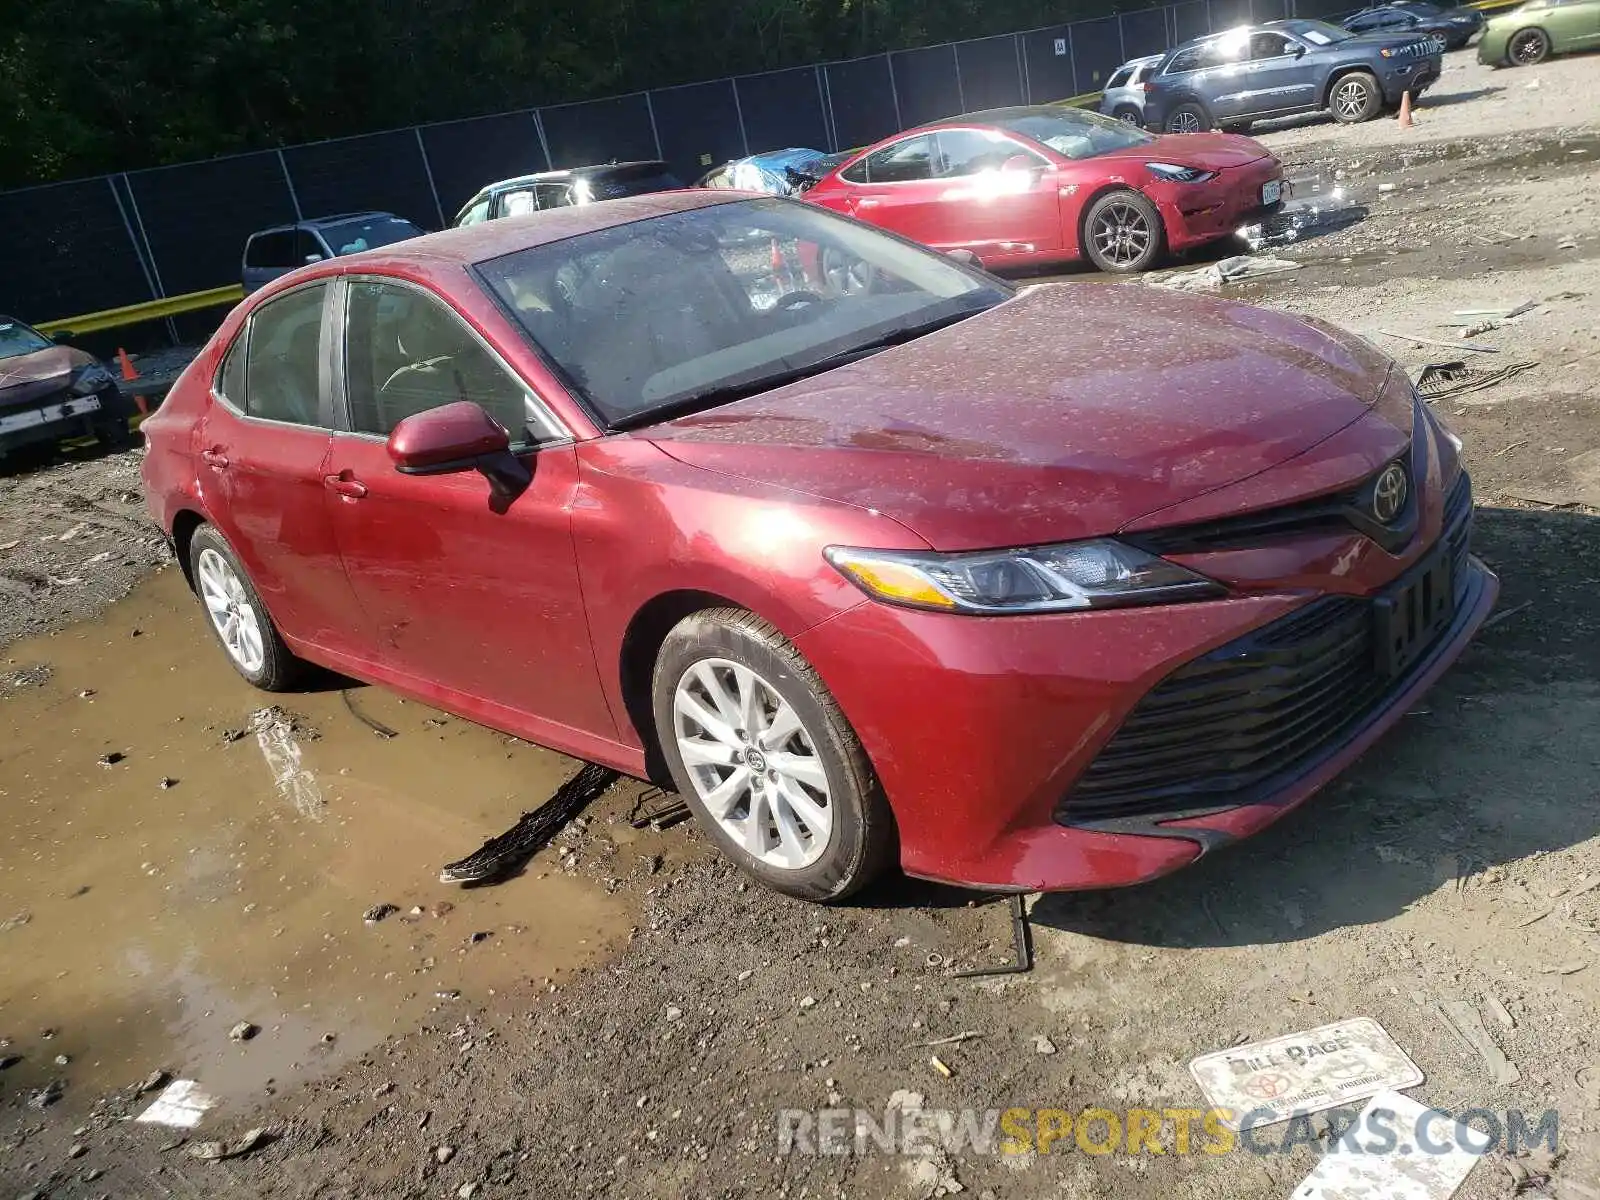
(151, 310)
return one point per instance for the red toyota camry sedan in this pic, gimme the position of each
(1025, 186)
(1057, 587)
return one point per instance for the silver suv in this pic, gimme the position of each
(1123, 97)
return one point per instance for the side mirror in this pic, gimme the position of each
(61, 337)
(1299, 51)
(965, 257)
(313, 258)
(460, 437)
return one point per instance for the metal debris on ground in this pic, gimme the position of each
(1436, 381)
(1237, 269)
(507, 852)
(668, 813)
(1464, 1019)
(377, 727)
(1504, 614)
(1424, 341)
(954, 1039)
(1302, 1073)
(234, 1148)
(1021, 945)
(1395, 1176)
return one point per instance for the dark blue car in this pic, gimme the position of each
(1254, 72)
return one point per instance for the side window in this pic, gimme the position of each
(272, 251)
(1184, 60)
(475, 213)
(230, 380)
(281, 377)
(1269, 45)
(904, 162)
(406, 353)
(856, 174)
(553, 195)
(307, 248)
(969, 151)
(517, 204)
(1122, 77)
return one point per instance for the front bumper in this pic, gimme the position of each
(1492, 47)
(1416, 77)
(59, 416)
(981, 730)
(1194, 214)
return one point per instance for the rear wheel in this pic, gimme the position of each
(1528, 47)
(112, 433)
(1122, 232)
(1129, 116)
(764, 756)
(1188, 118)
(237, 616)
(1355, 97)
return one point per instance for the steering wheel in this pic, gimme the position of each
(798, 300)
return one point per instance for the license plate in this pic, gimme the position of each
(1414, 612)
(1271, 191)
(28, 418)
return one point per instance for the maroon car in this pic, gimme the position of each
(50, 392)
(1057, 587)
(1024, 186)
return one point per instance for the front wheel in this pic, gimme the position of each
(766, 760)
(237, 616)
(1355, 97)
(1122, 232)
(1528, 47)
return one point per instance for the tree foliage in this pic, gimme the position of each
(106, 85)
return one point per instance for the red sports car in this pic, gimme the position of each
(1023, 186)
(932, 570)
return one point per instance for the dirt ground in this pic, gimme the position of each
(627, 1018)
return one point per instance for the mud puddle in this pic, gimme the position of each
(170, 871)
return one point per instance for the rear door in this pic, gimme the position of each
(264, 443)
(466, 604)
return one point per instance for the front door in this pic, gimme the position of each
(1279, 79)
(263, 446)
(893, 188)
(473, 608)
(996, 197)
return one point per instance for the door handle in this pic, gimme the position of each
(868, 202)
(214, 459)
(344, 485)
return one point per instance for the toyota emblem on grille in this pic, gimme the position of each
(1389, 493)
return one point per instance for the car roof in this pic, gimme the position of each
(993, 116)
(320, 222)
(490, 239)
(571, 173)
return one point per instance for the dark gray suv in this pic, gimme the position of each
(1247, 74)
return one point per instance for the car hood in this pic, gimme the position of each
(25, 378)
(1208, 151)
(1066, 412)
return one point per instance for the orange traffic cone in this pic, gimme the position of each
(1405, 110)
(128, 373)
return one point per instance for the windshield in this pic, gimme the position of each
(1075, 132)
(17, 339)
(694, 309)
(1322, 34)
(366, 233)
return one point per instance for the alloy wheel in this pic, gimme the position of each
(753, 763)
(1185, 120)
(1350, 98)
(1527, 48)
(231, 612)
(845, 276)
(1121, 233)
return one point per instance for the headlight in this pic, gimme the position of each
(93, 378)
(1074, 575)
(1179, 174)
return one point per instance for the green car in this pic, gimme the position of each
(1533, 32)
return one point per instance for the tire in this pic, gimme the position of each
(759, 673)
(262, 659)
(1527, 47)
(113, 433)
(1130, 116)
(1188, 117)
(1112, 237)
(1355, 97)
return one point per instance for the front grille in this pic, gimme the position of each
(1226, 728)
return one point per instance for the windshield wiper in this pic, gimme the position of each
(727, 393)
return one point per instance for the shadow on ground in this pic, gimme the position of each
(1494, 765)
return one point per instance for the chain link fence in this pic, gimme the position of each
(94, 244)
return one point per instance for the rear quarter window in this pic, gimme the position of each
(270, 250)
